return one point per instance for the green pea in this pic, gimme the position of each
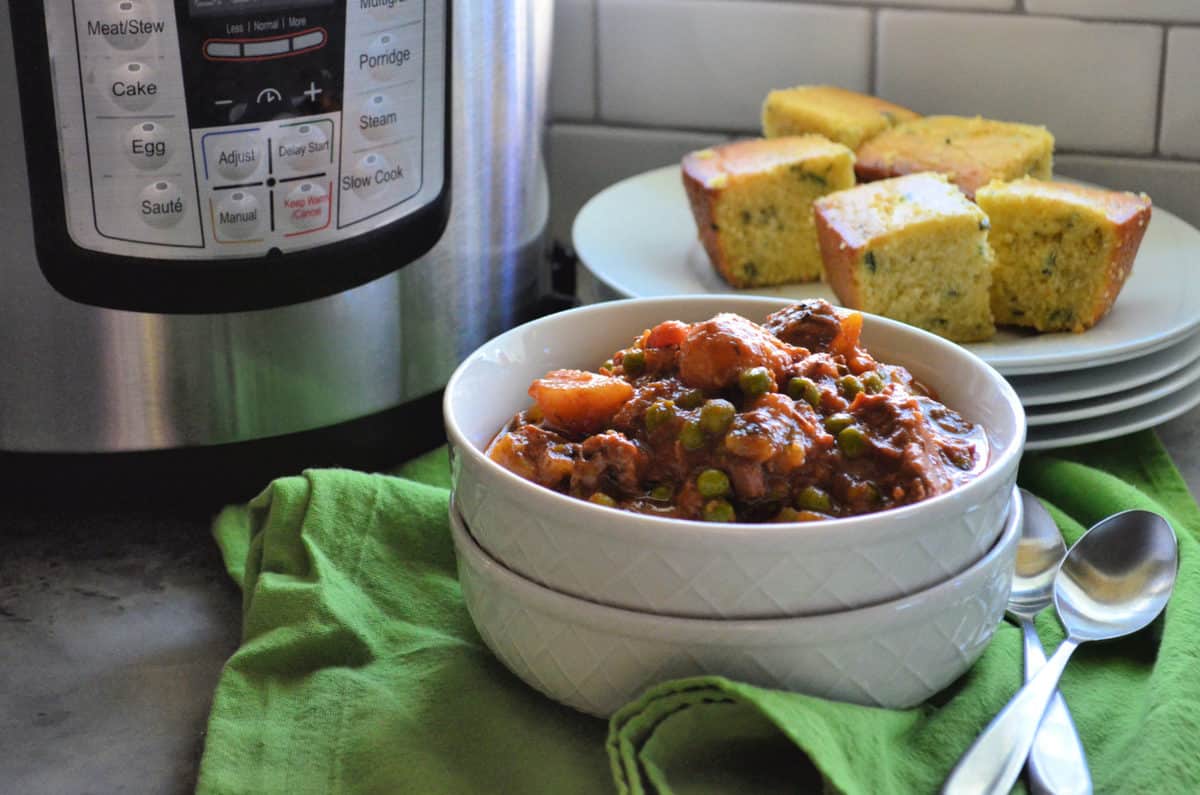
(692, 399)
(600, 498)
(716, 416)
(801, 388)
(873, 383)
(658, 414)
(755, 381)
(608, 365)
(719, 511)
(852, 441)
(663, 492)
(811, 498)
(712, 483)
(634, 361)
(834, 423)
(850, 385)
(691, 436)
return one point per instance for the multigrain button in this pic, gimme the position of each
(125, 24)
(385, 57)
(304, 148)
(161, 204)
(378, 119)
(306, 207)
(133, 85)
(148, 145)
(238, 215)
(391, 10)
(235, 156)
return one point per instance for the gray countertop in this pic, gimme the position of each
(113, 631)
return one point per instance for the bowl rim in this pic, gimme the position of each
(830, 624)
(871, 525)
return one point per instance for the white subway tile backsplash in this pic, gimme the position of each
(1180, 133)
(585, 159)
(1171, 185)
(987, 5)
(1146, 10)
(710, 63)
(573, 65)
(1094, 85)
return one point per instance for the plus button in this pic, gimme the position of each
(313, 92)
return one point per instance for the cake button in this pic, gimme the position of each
(133, 85)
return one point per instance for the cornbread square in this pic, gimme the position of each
(971, 151)
(840, 115)
(911, 248)
(752, 201)
(1063, 251)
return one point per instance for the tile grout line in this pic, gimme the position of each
(1160, 110)
(596, 60)
(873, 54)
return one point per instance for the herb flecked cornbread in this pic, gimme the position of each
(840, 115)
(1063, 251)
(971, 151)
(752, 201)
(911, 248)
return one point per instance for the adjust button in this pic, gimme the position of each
(234, 156)
(134, 85)
(148, 145)
(238, 216)
(161, 204)
(378, 119)
(304, 147)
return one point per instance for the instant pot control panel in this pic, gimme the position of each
(242, 152)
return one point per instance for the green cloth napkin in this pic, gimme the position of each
(360, 672)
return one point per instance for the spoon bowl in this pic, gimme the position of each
(1118, 577)
(1039, 553)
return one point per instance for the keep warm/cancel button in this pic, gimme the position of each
(306, 208)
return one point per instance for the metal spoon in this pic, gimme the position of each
(1115, 580)
(1057, 764)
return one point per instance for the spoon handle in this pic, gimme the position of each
(995, 759)
(1057, 764)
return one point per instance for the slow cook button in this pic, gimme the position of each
(133, 85)
(125, 24)
(304, 147)
(161, 204)
(306, 207)
(378, 119)
(148, 145)
(375, 173)
(235, 156)
(238, 215)
(385, 58)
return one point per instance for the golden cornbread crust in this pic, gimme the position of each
(971, 151)
(1063, 251)
(840, 115)
(752, 202)
(911, 248)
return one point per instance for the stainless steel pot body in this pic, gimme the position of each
(75, 378)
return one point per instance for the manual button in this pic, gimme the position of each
(234, 156)
(237, 216)
(133, 86)
(161, 204)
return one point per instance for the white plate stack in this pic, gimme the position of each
(1137, 368)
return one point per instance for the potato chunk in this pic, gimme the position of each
(578, 401)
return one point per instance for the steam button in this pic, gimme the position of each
(133, 85)
(235, 156)
(304, 148)
(378, 119)
(161, 204)
(148, 145)
(238, 216)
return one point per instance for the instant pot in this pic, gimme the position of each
(246, 235)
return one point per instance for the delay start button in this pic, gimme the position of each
(304, 147)
(161, 204)
(237, 216)
(133, 85)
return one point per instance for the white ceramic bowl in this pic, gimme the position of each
(702, 569)
(597, 658)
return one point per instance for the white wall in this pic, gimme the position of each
(637, 83)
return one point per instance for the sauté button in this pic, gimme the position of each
(125, 24)
(238, 215)
(305, 147)
(385, 57)
(235, 156)
(148, 145)
(133, 85)
(306, 207)
(161, 204)
(378, 119)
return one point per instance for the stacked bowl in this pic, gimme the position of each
(592, 605)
